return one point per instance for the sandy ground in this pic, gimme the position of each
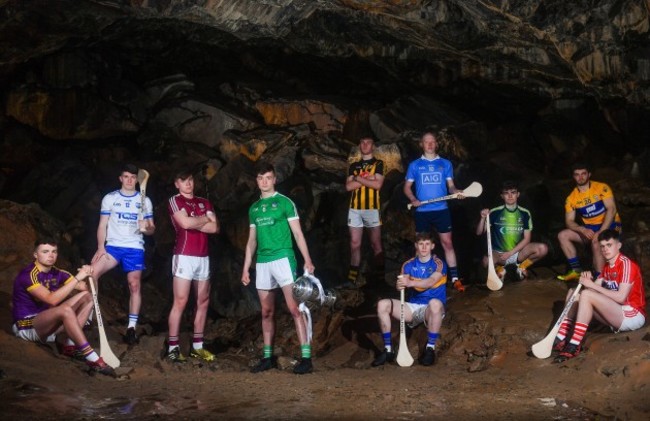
(484, 371)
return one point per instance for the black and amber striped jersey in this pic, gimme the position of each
(365, 197)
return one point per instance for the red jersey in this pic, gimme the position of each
(625, 271)
(190, 242)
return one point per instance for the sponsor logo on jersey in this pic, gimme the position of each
(431, 178)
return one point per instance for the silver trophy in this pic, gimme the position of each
(306, 289)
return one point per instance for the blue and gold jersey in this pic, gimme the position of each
(424, 270)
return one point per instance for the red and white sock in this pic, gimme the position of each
(578, 333)
(564, 328)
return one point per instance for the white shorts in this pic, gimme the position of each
(31, 335)
(275, 274)
(512, 260)
(364, 218)
(191, 267)
(631, 323)
(418, 311)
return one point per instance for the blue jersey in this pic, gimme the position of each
(423, 270)
(430, 179)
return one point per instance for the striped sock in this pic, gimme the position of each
(172, 343)
(305, 350)
(575, 264)
(525, 264)
(197, 340)
(579, 331)
(453, 272)
(267, 351)
(565, 326)
(353, 273)
(88, 352)
(432, 338)
(133, 320)
(388, 341)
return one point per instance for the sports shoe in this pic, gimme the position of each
(558, 345)
(264, 364)
(522, 273)
(70, 351)
(458, 285)
(569, 351)
(101, 367)
(304, 366)
(131, 338)
(428, 356)
(175, 356)
(202, 354)
(571, 275)
(384, 357)
(501, 271)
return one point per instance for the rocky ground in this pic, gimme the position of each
(484, 370)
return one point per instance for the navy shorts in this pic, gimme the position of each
(440, 220)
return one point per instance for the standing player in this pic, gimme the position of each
(433, 177)
(43, 306)
(365, 178)
(511, 232)
(616, 298)
(120, 241)
(273, 218)
(426, 276)
(193, 219)
(595, 204)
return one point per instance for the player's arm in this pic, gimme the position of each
(251, 245)
(480, 228)
(610, 212)
(423, 283)
(451, 186)
(54, 298)
(570, 222)
(520, 245)
(101, 237)
(294, 224)
(619, 296)
(146, 225)
(190, 222)
(213, 226)
(408, 192)
(374, 181)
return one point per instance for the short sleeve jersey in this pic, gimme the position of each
(365, 197)
(589, 204)
(430, 180)
(423, 270)
(189, 242)
(123, 212)
(25, 306)
(270, 218)
(508, 226)
(625, 271)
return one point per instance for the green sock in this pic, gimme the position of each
(306, 350)
(268, 351)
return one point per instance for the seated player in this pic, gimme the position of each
(426, 276)
(43, 306)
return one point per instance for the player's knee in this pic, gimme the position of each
(563, 235)
(542, 249)
(435, 307)
(383, 306)
(267, 313)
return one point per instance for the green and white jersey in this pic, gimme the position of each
(270, 217)
(508, 226)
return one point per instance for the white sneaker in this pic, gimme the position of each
(522, 273)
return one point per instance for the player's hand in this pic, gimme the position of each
(415, 203)
(485, 213)
(84, 272)
(142, 225)
(245, 278)
(589, 234)
(403, 281)
(309, 267)
(586, 279)
(459, 194)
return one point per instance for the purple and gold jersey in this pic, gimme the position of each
(424, 270)
(430, 179)
(589, 205)
(25, 305)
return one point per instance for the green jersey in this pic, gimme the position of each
(270, 217)
(508, 226)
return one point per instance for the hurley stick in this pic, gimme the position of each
(105, 350)
(404, 358)
(473, 190)
(493, 280)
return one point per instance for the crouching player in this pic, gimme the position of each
(425, 275)
(616, 298)
(43, 306)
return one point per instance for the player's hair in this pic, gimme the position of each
(367, 136)
(183, 175)
(434, 133)
(580, 166)
(609, 234)
(423, 236)
(130, 168)
(262, 167)
(45, 240)
(509, 185)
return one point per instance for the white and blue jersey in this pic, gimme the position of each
(123, 213)
(424, 270)
(430, 179)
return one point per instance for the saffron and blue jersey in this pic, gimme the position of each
(590, 206)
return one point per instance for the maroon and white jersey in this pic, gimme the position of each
(190, 242)
(625, 271)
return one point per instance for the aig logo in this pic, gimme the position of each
(431, 178)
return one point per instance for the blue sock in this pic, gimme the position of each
(453, 272)
(432, 338)
(575, 264)
(388, 343)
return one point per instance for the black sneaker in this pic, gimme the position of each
(569, 351)
(264, 364)
(558, 345)
(131, 338)
(383, 358)
(428, 356)
(175, 356)
(101, 367)
(304, 366)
